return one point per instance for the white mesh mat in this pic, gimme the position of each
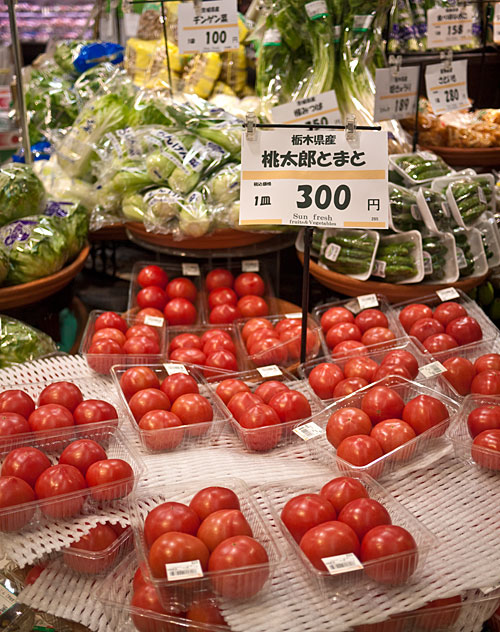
(457, 503)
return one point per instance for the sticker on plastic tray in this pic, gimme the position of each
(432, 369)
(332, 252)
(379, 268)
(367, 301)
(428, 269)
(183, 570)
(353, 306)
(269, 371)
(308, 431)
(294, 315)
(489, 589)
(342, 563)
(461, 260)
(154, 321)
(448, 294)
(7, 599)
(190, 269)
(250, 265)
(172, 368)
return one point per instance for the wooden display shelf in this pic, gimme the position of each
(469, 157)
(112, 232)
(395, 293)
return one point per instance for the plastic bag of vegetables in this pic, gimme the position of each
(21, 192)
(155, 207)
(101, 79)
(20, 342)
(77, 56)
(223, 187)
(72, 220)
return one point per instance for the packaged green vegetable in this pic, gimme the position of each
(405, 214)
(420, 167)
(471, 256)
(434, 209)
(440, 261)
(399, 258)
(21, 192)
(468, 201)
(20, 342)
(222, 188)
(349, 252)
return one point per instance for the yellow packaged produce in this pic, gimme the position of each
(242, 29)
(222, 88)
(234, 69)
(202, 73)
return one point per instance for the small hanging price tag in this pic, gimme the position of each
(250, 265)
(172, 368)
(342, 563)
(154, 321)
(448, 294)
(183, 570)
(396, 93)
(353, 306)
(367, 301)
(432, 369)
(447, 86)
(214, 29)
(489, 589)
(294, 315)
(190, 269)
(322, 109)
(379, 268)
(308, 431)
(449, 26)
(496, 23)
(269, 371)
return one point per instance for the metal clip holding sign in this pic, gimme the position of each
(395, 62)
(350, 127)
(446, 57)
(197, 7)
(251, 125)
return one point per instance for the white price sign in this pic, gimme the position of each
(300, 177)
(190, 269)
(396, 93)
(171, 368)
(448, 294)
(269, 371)
(154, 321)
(367, 301)
(213, 29)
(447, 86)
(496, 24)
(322, 109)
(449, 26)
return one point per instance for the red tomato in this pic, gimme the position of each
(485, 383)
(141, 316)
(185, 341)
(261, 334)
(193, 408)
(349, 386)
(334, 316)
(14, 491)
(249, 283)
(485, 449)
(109, 334)
(267, 426)
(159, 434)
(327, 540)
(290, 405)
(391, 433)
(426, 327)
(223, 314)
(286, 323)
(222, 296)
(411, 313)
(110, 319)
(324, 378)
(439, 614)
(104, 347)
(369, 318)
(346, 422)
(483, 418)
(49, 417)
(386, 540)
(361, 367)
(146, 599)
(219, 343)
(148, 399)
(252, 306)
(267, 390)
(349, 347)
(98, 539)
(386, 370)
(152, 296)
(214, 332)
(12, 424)
(115, 475)
(210, 499)
(192, 356)
(60, 480)
(137, 379)
(487, 362)
(268, 351)
(382, 402)
(363, 514)
(63, 393)
(142, 330)
(33, 575)
(178, 384)
(218, 277)
(221, 360)
(140, 578)
(341, 332)
(180, 311)
(223, 524)
(254, 324)
(152, 275)
(446, 312)
(174, 546)
(304, 512)
(141, 345)
(242, 401)
(439, 342)
(16, 401)
(342, 490)
(182, 288)
(169, 516)
(459, 372)
(424, 412)
(376, 335)
(404, 358)
(205, 610)
(359, 450)
(81, 454)
(227, 388)
(26, 463)
(292, 338)
(465, 330)
(233, 553)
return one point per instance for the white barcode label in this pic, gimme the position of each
(272, 37)
(342, 563)
(154, 321)
(332, 252)
(432, 369)
(316, 9)
(367, 301)
(353, 306)
(183, 570)
(269, 371)
(250, 265)
(428, 268)
(481, 195)
(294, 315)
(448, 294)
(7, 599)
(190, 269)
(379, 268)
(461, 260)
(172, 368)
(489, 589)
(308, 431)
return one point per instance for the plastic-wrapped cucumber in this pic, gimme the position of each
(465, 256)
(470, 199)
(404, 209)
(348, 252)
(395, 262)
(438, 207)
(421, 167)
(435, 253)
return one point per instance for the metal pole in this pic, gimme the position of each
(167, 55)
(308, 235)
(18, 66)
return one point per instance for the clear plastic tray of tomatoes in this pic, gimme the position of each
(374, 357)
(176, 437)
(411, 451)
(358, 320)
(282, 346)
(239, 583)
(188, 286)
(240, 279)
(270, 436)
(102, 362)
(459, 305)
(205, 352)
(84, 500)
(389, 570)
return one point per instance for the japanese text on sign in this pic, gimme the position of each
(322, 109)
(449, 26)
(447, 86)
(314, 179)
(396, 93)
(213, 29)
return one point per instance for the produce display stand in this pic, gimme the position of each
(460, 156)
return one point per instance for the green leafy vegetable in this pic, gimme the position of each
(21, 192)
(20, 342)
